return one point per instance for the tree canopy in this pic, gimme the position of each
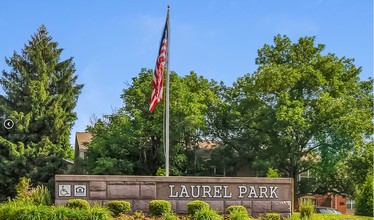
(136, 134)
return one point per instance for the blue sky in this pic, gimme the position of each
(112, 40)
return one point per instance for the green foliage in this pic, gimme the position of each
(159, 207)
(130, 141)
(308, 106)
(37, 213)
(206, 213)
(169, 216)
(272, 173)
(306, 210)
(78, 204)
(25, 210)
(12, 209)
(23, 188)
(272, 216)
(235, 207)
(99, 213)
(194, 206)
(39, 195)
(40, 94)
(118, 207)
(138, 215)
(364, 199)
(237, 213)
(296, 216)
(161, 172)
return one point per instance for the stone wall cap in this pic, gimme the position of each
(172, 179)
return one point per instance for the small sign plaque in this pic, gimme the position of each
(64, 190)
(80, 190)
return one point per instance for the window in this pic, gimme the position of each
(308, 199)
(350, 204)
(306, 175)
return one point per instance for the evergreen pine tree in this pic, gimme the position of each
(40, 96)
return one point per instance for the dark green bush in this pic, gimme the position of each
(118, 207)
(364, 198)
(235, 207)
(306, 210)
(78, 204)
(272, 216)
(238, 214)
(206, 213)
(159, 207)
(196, 205)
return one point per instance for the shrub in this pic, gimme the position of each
(238, 214)
(159, 207)
(272, 173)
(205, 213)
(196, 205)
(273, 216)
(138, 215)
(118, 207)
(62, 212)
(99, 213)
(37, 213)
(78, 204)
(11, 210)
(23, 188)
(235, 207)
(41, 196)
(169, 216)
(160, 172)
(306, 210)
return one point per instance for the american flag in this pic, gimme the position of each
(161, 63)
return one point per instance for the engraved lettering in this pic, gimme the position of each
(184, 193)
(252, 193)
(217, 191)
(242, 190)
(273, 191)
(225, 190)
(171, 195)
(206, 191)
(194, 194)
(263, 192)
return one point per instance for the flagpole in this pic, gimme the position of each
(167, 100)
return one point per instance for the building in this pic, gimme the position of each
(82, 139)
(333, 201)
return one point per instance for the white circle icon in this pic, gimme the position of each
(8, 124)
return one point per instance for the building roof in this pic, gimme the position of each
(82, 138)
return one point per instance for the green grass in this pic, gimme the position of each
(334, 217)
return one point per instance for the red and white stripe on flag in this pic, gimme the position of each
(158, 74)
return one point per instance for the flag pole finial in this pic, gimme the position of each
(168, 6)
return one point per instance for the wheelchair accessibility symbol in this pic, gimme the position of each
(64, 190)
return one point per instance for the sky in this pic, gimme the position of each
(112, 40)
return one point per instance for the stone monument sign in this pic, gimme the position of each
(258, 195)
